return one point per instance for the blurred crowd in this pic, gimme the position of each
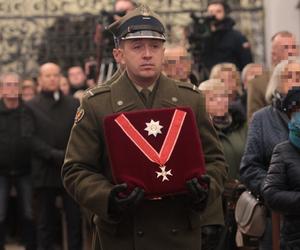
(252, 107)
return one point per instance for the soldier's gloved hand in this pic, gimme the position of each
(198, 191)
(118, 203)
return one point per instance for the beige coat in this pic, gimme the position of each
(256, 94)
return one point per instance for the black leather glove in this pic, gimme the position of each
(118, 204)
(198, 190)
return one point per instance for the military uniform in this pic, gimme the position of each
(114, 77)
(164, 224)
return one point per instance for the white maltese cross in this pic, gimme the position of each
(164, 174)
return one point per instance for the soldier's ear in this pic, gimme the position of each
(122, 55)
(117, 55)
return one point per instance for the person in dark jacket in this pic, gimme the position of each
(15, 134)
(224, 44)
(53, 115)
(282, 185)
(268, 127)
(230, 123)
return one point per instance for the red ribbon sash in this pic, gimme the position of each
(168, 145)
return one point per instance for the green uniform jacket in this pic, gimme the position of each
(166, 224)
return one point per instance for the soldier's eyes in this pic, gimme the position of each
(137, 46)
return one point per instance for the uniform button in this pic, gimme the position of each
(174, 99)
(174, 231)
(140, 233)
(120, 103)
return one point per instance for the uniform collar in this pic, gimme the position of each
(139, 88)
(124, 96)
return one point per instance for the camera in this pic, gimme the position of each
(107, 17)
(201, 26)
(198, 34)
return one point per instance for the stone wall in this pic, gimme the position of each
(24, 25)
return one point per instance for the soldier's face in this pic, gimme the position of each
(143, 59)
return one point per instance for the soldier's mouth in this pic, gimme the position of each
(147, 65)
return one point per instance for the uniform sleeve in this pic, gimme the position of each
(243, 51)
(276, 190)
(215, 164)
(82, 172)
(253, 169)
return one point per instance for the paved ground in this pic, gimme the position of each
(14, 247)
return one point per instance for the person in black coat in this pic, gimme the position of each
(15, 136)
(269, 126)
(53, 115)
(282, 185)
(224, 44)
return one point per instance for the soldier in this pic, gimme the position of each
(132, 221)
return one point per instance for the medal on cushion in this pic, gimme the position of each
(154, 128)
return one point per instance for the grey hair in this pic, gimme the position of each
(216, 70)
(6, 74)
(211, 85)
(246, 68)
(275, 80)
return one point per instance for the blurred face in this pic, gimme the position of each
(76, 76)
(143, 59)
(28, 93)
(49, 77)
(216, 10)
(253, 71)
(283, 47)
(10, 87)
(64, 85)
(216, 102)
(177, 64)
(290, 77)
(228, 77)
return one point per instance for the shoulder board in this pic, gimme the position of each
(90, 92)
(188, 86)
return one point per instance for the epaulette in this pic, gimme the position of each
(90, 92)
(188, 86)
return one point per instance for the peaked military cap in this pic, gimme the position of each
(141, 22)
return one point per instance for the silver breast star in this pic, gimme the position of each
(164, 174)
(153, 128)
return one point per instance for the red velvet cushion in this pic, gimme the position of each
(130, 165)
